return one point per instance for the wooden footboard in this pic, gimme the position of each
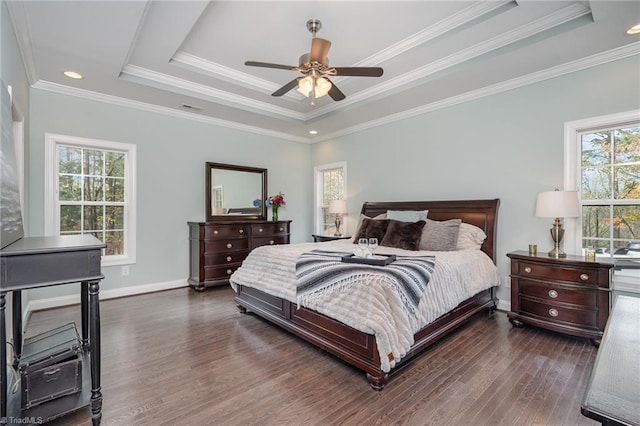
(353, 346)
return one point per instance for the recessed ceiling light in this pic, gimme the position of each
(73, 74)
(313, 132)
(634, 30)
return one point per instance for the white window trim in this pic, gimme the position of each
(52, 214)
(317, 172)
(571, 155)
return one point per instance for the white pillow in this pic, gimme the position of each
(470, 237)
(407, 215)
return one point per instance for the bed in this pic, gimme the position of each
(353, 343)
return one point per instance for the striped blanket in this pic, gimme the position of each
(319, 272)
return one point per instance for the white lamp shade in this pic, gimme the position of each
(558, 204)
(337, 206)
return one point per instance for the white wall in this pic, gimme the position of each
(171, 156)
(507, 146)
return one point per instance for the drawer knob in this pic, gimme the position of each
(215, 232)
(229, 271)
(553, 294)
(271, 242)
(527, 269)
(584, 277)
(241, 231)
(229, 245)
(281, 229)
(229, 258)
(553, 312)
(260, 230)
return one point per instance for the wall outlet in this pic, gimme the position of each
(125, 271)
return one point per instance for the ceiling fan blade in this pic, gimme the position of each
(268, 65)
(359, 71)
(284, 89)
(319, 50)
(335, 93)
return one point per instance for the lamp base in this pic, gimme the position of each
(556, 234)
(557, 253)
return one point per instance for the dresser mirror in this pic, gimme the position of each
(235, 192)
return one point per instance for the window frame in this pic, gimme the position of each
(51, 204)
(572, 168)
(318, 194)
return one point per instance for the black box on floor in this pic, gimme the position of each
(50, 365)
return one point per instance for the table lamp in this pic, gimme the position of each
(338, 208)
(557, 204)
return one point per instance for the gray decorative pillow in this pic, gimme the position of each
(403, 235)
(440, 235)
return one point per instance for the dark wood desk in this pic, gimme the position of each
(35, 262)
(612, 396)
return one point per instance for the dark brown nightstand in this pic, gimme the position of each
(568, 295)
(322, 238)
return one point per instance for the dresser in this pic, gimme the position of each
(217, 249)
(568, 295)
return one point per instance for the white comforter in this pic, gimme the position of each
(457, 276)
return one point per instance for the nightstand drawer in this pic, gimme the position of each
(559, 293)
(577, 316)
(552, 272)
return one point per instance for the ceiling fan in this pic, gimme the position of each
(315, 69)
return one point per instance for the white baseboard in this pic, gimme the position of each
(56, 302)
(504, 305)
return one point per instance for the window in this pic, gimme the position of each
(331, 184)
(90, 190)
(606, 171)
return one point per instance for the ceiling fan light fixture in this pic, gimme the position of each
(322, 87)
(305, 85)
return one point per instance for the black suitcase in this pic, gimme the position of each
(50, 365)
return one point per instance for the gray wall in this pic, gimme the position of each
(171, 156)
(507, 146)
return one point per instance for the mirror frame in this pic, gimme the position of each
(209, 167)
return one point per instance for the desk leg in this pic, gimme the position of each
(3, 363)
(94, 344)
(84, 313)
(17, 326)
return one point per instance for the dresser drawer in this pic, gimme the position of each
(219, 272)
(551, 312)
(225, 245)
(552, 272)
(558, 293)
(221, 259)
(269, 241)
(275, 228)
(224, 231)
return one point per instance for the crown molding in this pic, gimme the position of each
(215, 70)
(18, 17)
(184, 87)
(619, 53)
(574, 11)
(629, 50)
(127, 103)
(475, 11)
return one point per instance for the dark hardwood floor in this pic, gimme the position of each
(185, 358)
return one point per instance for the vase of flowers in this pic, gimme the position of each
(275, 202)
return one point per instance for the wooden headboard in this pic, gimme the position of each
(481, 213)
